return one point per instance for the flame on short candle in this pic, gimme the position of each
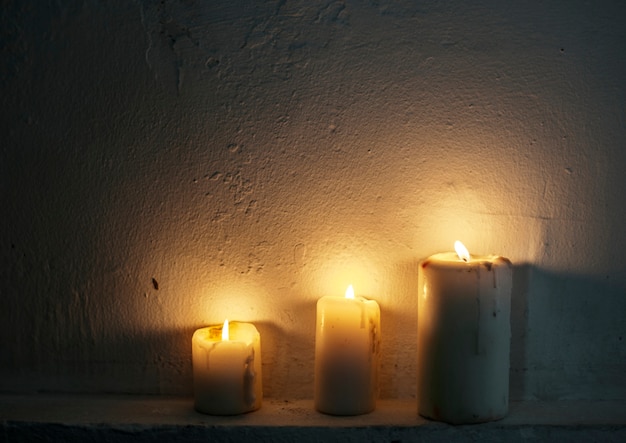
(350, 292)
(461, 251)
(225, 334)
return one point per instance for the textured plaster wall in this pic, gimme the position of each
(164, 165)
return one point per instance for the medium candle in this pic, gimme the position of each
(227, 369)
(347, 354)
(463, 337)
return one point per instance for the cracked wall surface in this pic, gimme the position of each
(168, 164)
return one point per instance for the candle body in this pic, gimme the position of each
(347, 355)
(463, 338)
(227, 374)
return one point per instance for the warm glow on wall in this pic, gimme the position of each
(337, 274)
(453, 218)
(461, 216)
(238, 301)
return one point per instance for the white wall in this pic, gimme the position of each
(251, 157)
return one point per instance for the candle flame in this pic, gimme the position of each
(225, 333)
(461, 251)
(350, 292)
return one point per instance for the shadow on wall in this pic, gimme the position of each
(158, 362)
(519, 325)
(142, 363)
(287, 362)
(398, 371)
(568, 336)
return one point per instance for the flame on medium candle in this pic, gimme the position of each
(461, 251)
(350, 292)
(225, 333)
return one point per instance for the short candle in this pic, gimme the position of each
(347, 354)
(227, 369)
(463, 337)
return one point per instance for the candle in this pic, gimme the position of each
(227, 369)
(463, 337)
(347, 353)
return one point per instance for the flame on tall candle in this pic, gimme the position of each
(225, 333)
(461, 251)
(350, 292)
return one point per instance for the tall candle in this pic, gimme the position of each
(227, 369)
(347, 354)
(463, 337)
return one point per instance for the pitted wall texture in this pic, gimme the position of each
(166, 165)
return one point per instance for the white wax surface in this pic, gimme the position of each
(347, 354)
(464, 334)
(227, 374)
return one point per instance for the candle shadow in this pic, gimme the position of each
(398, 372)
(274, 347)
(125, 362)
(519, 326)
(289, 352)
(569, 336)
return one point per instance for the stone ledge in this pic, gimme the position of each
(151, 418)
